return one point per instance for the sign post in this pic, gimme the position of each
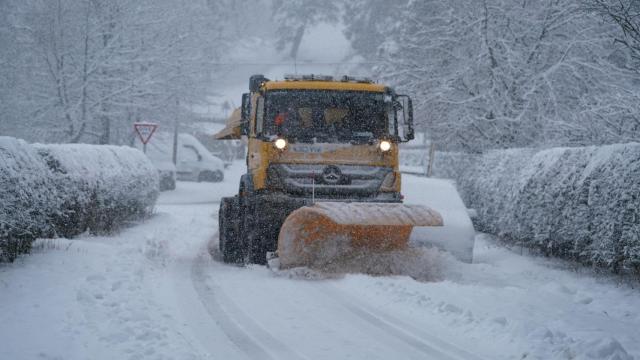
(145, 131)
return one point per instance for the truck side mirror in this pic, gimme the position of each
(259, 115)
(245, 113)
(255, 81)
(405, 118)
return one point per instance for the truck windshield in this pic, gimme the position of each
(325, 116)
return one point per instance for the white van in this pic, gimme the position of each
(194, 161)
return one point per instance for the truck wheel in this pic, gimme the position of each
(167, 184)
(257, 252)
(251, 232)
(218, 176)
(228, 243)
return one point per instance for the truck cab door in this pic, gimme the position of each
(255, 145)
(188, 167)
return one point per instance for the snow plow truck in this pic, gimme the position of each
(322, 174)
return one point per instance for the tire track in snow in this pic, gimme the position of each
(409, 334)
(238, 327)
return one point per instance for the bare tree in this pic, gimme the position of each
(625, 14)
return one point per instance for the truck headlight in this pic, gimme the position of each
(385, 145)
(280, 143)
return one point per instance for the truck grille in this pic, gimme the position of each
(332, 181)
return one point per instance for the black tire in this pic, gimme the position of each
(255, 253)
(229, 243)
(167, 183)
(218, 176)
(251, 230)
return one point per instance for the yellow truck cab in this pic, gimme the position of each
(310, 139)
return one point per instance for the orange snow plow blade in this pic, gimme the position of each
(325, 231)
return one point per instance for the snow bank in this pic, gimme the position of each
(64, 190)
(578, 203)
(457, 236)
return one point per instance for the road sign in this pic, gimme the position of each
(145, 131)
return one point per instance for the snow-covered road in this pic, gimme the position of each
(153, 292)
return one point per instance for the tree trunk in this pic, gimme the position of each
(297, 41)
(105, 138)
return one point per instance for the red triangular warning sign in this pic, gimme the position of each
(145, 131)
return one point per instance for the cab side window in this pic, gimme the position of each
(189, 153)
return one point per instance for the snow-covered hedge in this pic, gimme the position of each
(64, 190)
(581, 203)
(26, 197)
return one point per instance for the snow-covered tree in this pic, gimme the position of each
(83, 71)
(498, 73)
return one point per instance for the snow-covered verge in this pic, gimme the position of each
(577, 203)
(64, 190)
(511, 306)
